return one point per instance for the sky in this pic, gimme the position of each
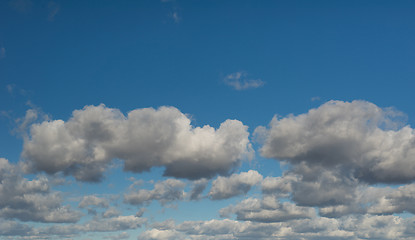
(186, 120)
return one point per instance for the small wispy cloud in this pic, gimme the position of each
(10, 88)
(22, 6)
(2, 53)
(240, 81)
(175, 16)
(53, 9)
(316, 98)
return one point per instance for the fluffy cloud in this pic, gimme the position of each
(30, 200)
(198, 187)
(92, 200)
(346, 228)
(236, 184)
(114, 224)
(268, 209)
(359, 137)
(12, 228)
(86, 143)
(165, 191)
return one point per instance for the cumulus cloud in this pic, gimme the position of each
(350, 228)
(85, 144)
(114, 224)
(113, 212)
(92, 200)
(240, 81)
(268, 209)
(155, 234)
(281, 186)
(198, 187)
(164, 192)
(359, 137)
(30, 200)
(236, 184)
(13, 228)
(123, 235)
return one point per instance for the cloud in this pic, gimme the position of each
(266, 210)
(198, 187)
(22, 6)
(113, 212)
(155, 234)
(12, 228)
(347, 228)
(85, 144)
(362, 139)
(123, 235)
(175, 16)
(3, 54)
(165, 191)
(92, 200)
(278, 185)
(53, 9)
(30, 200)
(239, 81)
(236, 184)
(114, 224)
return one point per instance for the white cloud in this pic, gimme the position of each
(114, 224)
(85, 144)
(155, 234)
(236, 184)
(123, 235)
(346, 228)
(239, 81)
(268, 209)
(359, 137)
(165, 191)
(113, 212)
(92, 200)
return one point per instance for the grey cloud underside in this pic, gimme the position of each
(358, 137)
(85, 144)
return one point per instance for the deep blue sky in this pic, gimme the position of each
(64, 55)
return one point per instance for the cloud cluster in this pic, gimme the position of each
(338, 158)
(346, 228)
(30, 200)
(85, 144)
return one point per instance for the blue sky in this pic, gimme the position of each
(293, 119)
